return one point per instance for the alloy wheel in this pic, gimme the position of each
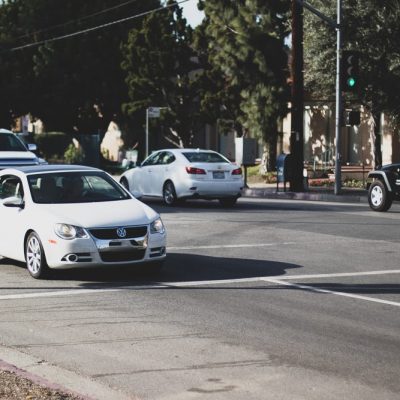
(376, 196)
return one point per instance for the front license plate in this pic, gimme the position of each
(218, 175)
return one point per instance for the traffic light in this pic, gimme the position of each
(350, 71)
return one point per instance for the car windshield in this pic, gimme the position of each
(74, 187)
(9, 142)
(198, 156)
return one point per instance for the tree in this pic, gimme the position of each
(370, 27)
(246, 48)
(160, 66)
(76, 84)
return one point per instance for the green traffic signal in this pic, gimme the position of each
(351, 82)
(349, 73)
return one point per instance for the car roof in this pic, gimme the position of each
(35, 169)
(185, 150)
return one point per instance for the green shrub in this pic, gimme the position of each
(52, 145)
(74, 155)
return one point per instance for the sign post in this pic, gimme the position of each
(151, 112)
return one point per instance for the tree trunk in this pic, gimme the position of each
(376, 139)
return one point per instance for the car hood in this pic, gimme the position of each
(20, 155)
(102, 214)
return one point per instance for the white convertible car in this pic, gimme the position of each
(178, 174)
(67, 216)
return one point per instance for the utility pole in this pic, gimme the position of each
(297, 109)
(339, 100)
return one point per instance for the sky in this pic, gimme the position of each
(191, 13)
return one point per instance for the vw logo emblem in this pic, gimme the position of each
(121, 232)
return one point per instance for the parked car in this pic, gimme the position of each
(177, 174)
(64, 216)
(14, 152)
(383, 186)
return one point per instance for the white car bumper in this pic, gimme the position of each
(210, 189)
(76, 253)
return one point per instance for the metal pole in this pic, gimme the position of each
(147, 133)
(338, 119)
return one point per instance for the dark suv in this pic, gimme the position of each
(383, 187)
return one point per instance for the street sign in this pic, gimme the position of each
(153, 112)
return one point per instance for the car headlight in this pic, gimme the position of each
(157, 226)
(66, 231)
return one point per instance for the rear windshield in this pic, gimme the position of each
(198, 156)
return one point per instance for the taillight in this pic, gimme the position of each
(237, 171)
(195, 171)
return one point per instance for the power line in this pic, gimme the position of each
(77, 20)
(95, 28)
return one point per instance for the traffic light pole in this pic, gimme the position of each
(339, 101)
(339, 112)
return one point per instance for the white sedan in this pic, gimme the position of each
(14, 152)
(73, 216)
(174, 174)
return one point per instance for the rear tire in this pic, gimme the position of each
(379, 198)
(169, 194)
(35, 257)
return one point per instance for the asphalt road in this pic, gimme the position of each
(269, 300)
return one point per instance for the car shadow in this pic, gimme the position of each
(177, 268)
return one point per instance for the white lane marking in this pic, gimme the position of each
(281, 281)
(320, 290)
(266, 278)
(55, 293)
(214, 282)
(342, 274)
(228, 246)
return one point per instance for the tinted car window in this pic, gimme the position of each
(74, 187)
(168, 158)
(10, 186)
(198, 156)
(9, 142)
(152, 160)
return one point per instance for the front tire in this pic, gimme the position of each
(379, 198)
(169, 194)
(35, 257)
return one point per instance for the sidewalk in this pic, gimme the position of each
(268, 191)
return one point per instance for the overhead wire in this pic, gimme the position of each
(76, 20)
(95, 28)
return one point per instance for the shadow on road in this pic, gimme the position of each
(177, 268)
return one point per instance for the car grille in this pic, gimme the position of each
(120, 256)
(111, 233)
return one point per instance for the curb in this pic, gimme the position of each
(53, 377)
(269, 193)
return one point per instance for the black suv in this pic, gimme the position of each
(383, 187)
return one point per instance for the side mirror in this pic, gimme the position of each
(14, 201)
(32, 147)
